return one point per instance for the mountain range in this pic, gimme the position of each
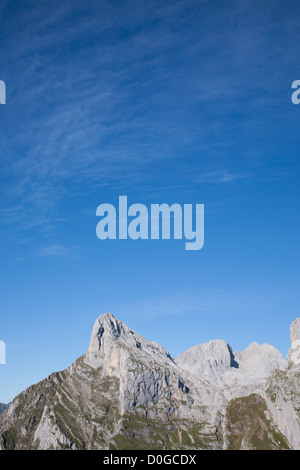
(128, 393)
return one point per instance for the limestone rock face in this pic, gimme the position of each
(211, 361)
(294, 352)
(257, 362)
(129, 393)
(111, 336)
(295, 330)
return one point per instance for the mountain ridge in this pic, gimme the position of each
(128, 393)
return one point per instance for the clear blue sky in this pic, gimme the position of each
(176, 101)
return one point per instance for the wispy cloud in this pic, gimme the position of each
(98, 96)
(216, 177)
(57, 251)
(209, 302)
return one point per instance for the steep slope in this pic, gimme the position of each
(128, 393)
(248, 426)
(282, 393)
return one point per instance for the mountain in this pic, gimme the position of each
(128, 393)
(219, 365)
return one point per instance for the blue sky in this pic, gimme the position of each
(175, 101)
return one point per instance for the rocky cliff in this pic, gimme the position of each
(129, 393)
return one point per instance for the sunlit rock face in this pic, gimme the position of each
(294, 352)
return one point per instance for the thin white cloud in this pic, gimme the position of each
(57, 251)
(109, 98)
(212, 302)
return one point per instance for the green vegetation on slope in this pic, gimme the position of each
(247, 426)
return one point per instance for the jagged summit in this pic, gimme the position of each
(295, 330)
(208, 360)
(216, 362)
(107, 325)
(258, 361)
(113, 342)
(111, 337)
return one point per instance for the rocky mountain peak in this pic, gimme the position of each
(128, 393)
(109, 327)
(295, 330)
(111, 338)
(208, 360)
(216, 362)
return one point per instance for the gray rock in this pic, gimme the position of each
(295, 330)
(294, 352)
(216, 362)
